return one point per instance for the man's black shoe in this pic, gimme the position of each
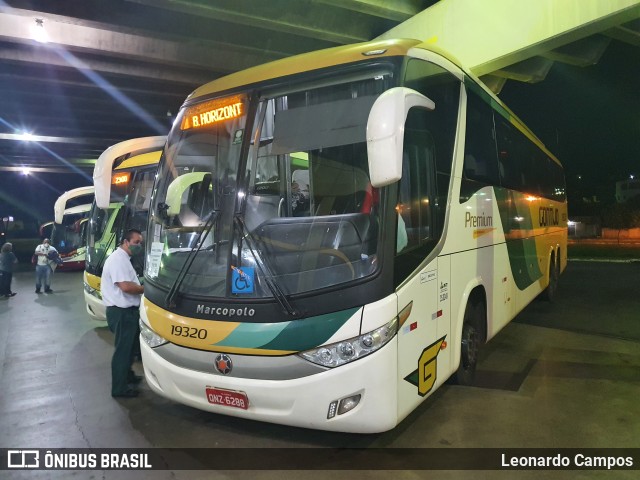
(130, 393)
(48, 290)
(37, 290)
(12, 294)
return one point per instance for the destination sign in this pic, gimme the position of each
(211, 112)
(120, 178)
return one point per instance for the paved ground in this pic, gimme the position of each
(562, 375)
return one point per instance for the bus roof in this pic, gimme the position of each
(61, 203)
(77, 209)
(306, 62)
(104, 165)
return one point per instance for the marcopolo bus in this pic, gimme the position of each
(334, 235)
(69, 232)
(123, 178)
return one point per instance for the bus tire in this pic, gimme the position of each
(472, 339)
(549, 294)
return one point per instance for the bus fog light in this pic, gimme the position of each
(344, 405)
(333, 408)
(349, 403)
(150, 337)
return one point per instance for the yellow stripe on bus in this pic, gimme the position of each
(141, 160)
(192, 332)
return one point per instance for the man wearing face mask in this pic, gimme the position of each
(121, 291)
(43, 267)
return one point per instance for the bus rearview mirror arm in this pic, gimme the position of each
(385, 132)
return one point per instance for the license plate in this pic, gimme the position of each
(227, 398)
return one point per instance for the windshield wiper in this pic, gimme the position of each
(269, 278)
(116, 228)
(104, 253)
(202, 236)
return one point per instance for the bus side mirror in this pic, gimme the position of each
(177, 187)
(385, 132)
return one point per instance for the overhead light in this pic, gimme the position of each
(25, 136)
(26, 170)
(38, 32)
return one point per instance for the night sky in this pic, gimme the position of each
(589, 117)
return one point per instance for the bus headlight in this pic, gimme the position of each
(150, 337)
(346, 351)
(92, 291)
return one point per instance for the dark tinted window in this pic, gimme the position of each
(480, 159)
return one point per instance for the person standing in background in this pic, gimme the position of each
(7, 261)
(43, 268)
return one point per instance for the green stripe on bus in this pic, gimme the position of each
(516, 217)
(297, 335)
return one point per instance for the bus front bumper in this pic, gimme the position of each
(301, 402)
(95, 307)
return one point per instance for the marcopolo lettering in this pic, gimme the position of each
(225, 311)
(548, 216)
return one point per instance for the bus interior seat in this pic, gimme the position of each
(260, 208)
(338, 188)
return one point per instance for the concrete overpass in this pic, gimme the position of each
(520, 39)
(116, 70)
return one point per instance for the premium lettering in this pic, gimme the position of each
(477, 220)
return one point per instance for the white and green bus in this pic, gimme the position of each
(123, 178)
(334, 235)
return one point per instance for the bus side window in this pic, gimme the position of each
(444, 89)
(510, 155)
(480, 159)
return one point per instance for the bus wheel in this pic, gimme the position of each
(549, 293)
(474, 316)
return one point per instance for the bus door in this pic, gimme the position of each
(422, 290)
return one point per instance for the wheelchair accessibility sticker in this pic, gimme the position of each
(242, 280)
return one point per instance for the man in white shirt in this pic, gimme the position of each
(121, 291)
(43, 267)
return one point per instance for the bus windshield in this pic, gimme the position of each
(279, 202)
(70, 235)
(101, 236)
(107, 226)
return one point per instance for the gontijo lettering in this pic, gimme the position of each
(548, 216)
(212, 112)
